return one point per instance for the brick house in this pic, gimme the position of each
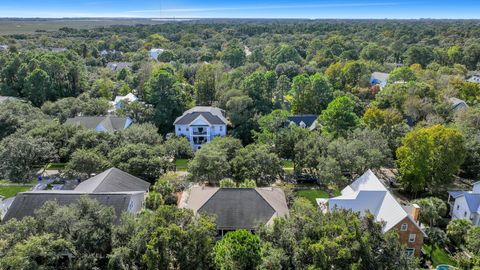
(368, 194)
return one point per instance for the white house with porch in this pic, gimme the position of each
(465, 204)
(201, 124)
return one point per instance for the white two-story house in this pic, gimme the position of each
(466, 204)
(201, 124)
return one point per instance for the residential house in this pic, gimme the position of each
(3, 48)
(117, 66)
(457, 104)
(107, 123)
(236, 208)
(154, 53)
(119, 101)
(475, 78)
(465, 204)
(113, 187)
(379, 78)
(303, 120)
(201, 124)
(26, 203)
(368, 194)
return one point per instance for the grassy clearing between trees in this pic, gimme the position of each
(10, 191)
(182, 164)
(438, 255)
(287, 165)
(312, 194)
(55, 166)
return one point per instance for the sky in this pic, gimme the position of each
(310, 9)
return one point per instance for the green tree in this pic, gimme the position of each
(178, 147)
(429, 157)
(433, 210)
(169, 100)
(457, 230)
(417, 54)
(39, 252)
(83, 163)
(402, 74)
(37, 87)
(144, 161)
(205, 84)
(472, 240)
(234, 55)
(238, 250)
(20, 156)
(311, 94)
(209, 165)
(258, 163)
(339, 117)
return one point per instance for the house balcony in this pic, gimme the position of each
(199, 133)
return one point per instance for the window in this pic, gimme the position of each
(187, 129)
(410, 251)
(404, 227)
(179, 129)
(412, 237)
(465, 214)
(458, 207)
(221, 128)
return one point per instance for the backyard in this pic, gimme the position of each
(438, 255)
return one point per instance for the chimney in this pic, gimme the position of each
(415, 212)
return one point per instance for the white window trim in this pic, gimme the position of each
(412, 237)
(404, 227)
(410, 251)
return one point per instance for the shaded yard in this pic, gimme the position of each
(287, 165)
(55, 166)
(182, 164)
(438, 255)
(10, 191)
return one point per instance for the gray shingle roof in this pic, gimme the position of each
(238, 208)
(212, 114)
(26, 203)
(110, 123)
(113, 180)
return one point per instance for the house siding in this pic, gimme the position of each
(459, 208)
(404, 236)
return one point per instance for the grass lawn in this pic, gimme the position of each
(181, 164)
(312, 194)
(55, 166)
(439, 255)
(32, 182)
(10, 191)
(287, 165)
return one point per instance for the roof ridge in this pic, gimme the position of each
(269, 204)
(208, 199)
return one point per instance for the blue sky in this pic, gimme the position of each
(243, 9)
